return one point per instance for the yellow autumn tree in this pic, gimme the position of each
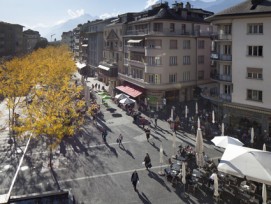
(56, 107)
(15, 83)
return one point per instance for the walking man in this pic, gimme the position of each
(155, 119)
(134, 179)
(104, 134)
(148, 132)
(120, 138)
(147, 161)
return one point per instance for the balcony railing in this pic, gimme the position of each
(221, 77)
(222, 37)
(225, 97)
(167, 32)
(218, 56)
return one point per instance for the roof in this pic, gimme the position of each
(244, 8)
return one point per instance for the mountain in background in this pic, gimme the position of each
(57, 30)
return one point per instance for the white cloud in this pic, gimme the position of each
(150, 3)
(108, 15)
(76, 13)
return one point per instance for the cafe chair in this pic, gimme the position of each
(191, 188)
(252, 188)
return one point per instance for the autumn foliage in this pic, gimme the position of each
(53, 103)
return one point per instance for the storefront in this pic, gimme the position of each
(242, 118)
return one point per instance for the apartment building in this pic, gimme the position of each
(92, 47)
(67, 38)
(11, 39)
(241, 57)
(112, 62)
(30, 40)
(76, 33)
(166, 53)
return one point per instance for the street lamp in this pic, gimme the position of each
(52, 37)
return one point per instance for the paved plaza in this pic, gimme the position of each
(98, 172)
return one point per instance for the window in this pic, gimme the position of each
(254, 95)
(201, 59)
(186, 44)
(172, 60)
(227, 49)
(173, 44)
(154, 60)
(254, 73)
(183, 29)
(154, 78)
(186, 76)
(186, 60)
(255, 28)
(227, 69)
(172, 78)
(227, 29)
(200, 75)
(158, 27)
(201, 44)
(227, 89)
(255, 51)
(172, 27)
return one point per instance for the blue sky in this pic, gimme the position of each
(33, 13)
(43, 13)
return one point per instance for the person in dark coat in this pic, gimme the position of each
(147, 161)
(134, 179)
(148, 132)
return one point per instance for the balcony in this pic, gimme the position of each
(135, 63)
(221, 77)
(222, 57)
(154, 86)
(159, 32)
(227, 37)
(134, 48)
(225, 97)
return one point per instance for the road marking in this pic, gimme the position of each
(93, 146)
(108, 174)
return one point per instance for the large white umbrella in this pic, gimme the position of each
(222, 129)
(224, 141)
(199, 148)
(157, 106)
(216, 185)
(171, 114)
(213, 116)
(174, 145)
(196, 108)
(242, 161)
(127, 101)
(264, 194)
(121, 96)
(161, 172)
(145, 101)
(252, 136)
(186, 111)
(264, 147)
(198, 123)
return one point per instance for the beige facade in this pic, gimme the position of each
(166, 56)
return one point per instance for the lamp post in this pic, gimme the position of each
(52, 37)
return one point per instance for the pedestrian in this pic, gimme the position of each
(147, 161)
(104, 134)
(148, 132)
(119, 140)
(134, 179)
(155, 119)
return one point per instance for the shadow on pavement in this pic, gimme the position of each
(143, 198)
(154, 176)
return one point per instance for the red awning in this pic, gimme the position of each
(129, 90)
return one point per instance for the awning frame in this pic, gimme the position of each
(104, 67)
